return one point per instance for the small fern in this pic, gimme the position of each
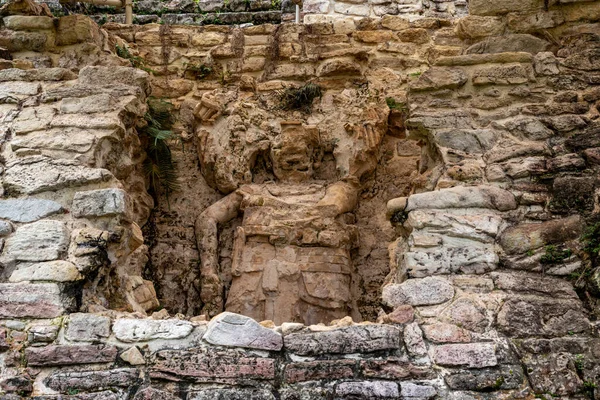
(135, 61)
(159, 166)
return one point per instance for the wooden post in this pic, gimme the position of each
(128, 12)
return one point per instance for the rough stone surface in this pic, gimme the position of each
(67, 382)
(471, 355)
(41, 241)
(87, 327)
(371, 390)
(70, 354)
(99, 203)
(235, 330)
(34, 300)
(418, 292)
(28, 210)
(353, 339)
(57, 271)
(138, 330)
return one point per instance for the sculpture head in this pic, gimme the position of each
(293, 151)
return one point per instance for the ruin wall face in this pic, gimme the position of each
(423, 229)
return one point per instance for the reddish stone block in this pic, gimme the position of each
(394, 369)
(67, 355)
(322, 369)
(208, 364)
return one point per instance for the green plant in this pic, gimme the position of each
(198, 71)
(72, 391)
(136, 62)
(276, 4)
(299, 98)
(395, 105)
(399, 217)
(415, 74)
(555, 255)
(591, 240)
(159, 166)
(579, 362)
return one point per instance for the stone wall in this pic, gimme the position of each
(484, 298)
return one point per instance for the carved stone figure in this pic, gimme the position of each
(291, 256)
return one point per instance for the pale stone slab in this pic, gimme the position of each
(28, 210)
(369, 389)
(99, 203)
(472, 355)
(138, 330)
(35, 300)
(410, 390)
(56, 271)
(87, 327)
(44, 240)
(234, 330)
(483, 196)
(418, 292)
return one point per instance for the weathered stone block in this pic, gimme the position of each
(446, 333)
(28, 209)
(413, 340)
(502, 378)
(234, 330)
(75, 28)
(486, 7)
(316, 370)
(212, 365)
(410, 390)
(28, 23)
(394, 369)
(57, 271)
(418, 292)
(368, 390)
(100, 203)
(231, 394)
(437, 78)
(35, 175)
(471, 355)
(138, 330)
(473, 26)
(41, 241)
(34, 300)
(532, 283)
(352, 339)
(482, 196)
(540, 316)
(43, 333)
(70, 354)
(515, 74)
(68, 381)
(87, 327)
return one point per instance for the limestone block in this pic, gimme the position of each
(133, 356)
(486, 7)
(523, 316)
(523, 237)
(97, 103)
(233, 330)
(43, 333)
(457, 255)
(413, 340)
(510, 43)
(315, 370)
(43, 240)
(482, 196)
(351, 9)
(315, 6)
(100, 203)
(471, 355)
(418, 292)
(28, 23)
(57, 271)
(70, 355)
(446, 333)
(150, 393)
(368, 390)
(203, 364)
(474, 26)
(65, 381)
(437, 78)
(36, 74)
(87, 327)
(352, 339)
(503, 378)
(77, 28)
(21, 89)
(411, 390)
(534, 21)
(37, 175)
(395, 23)
(231, 394)
(138, 330)
(16, 41)
(98, 76)
(28, 210)
(514, 74)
